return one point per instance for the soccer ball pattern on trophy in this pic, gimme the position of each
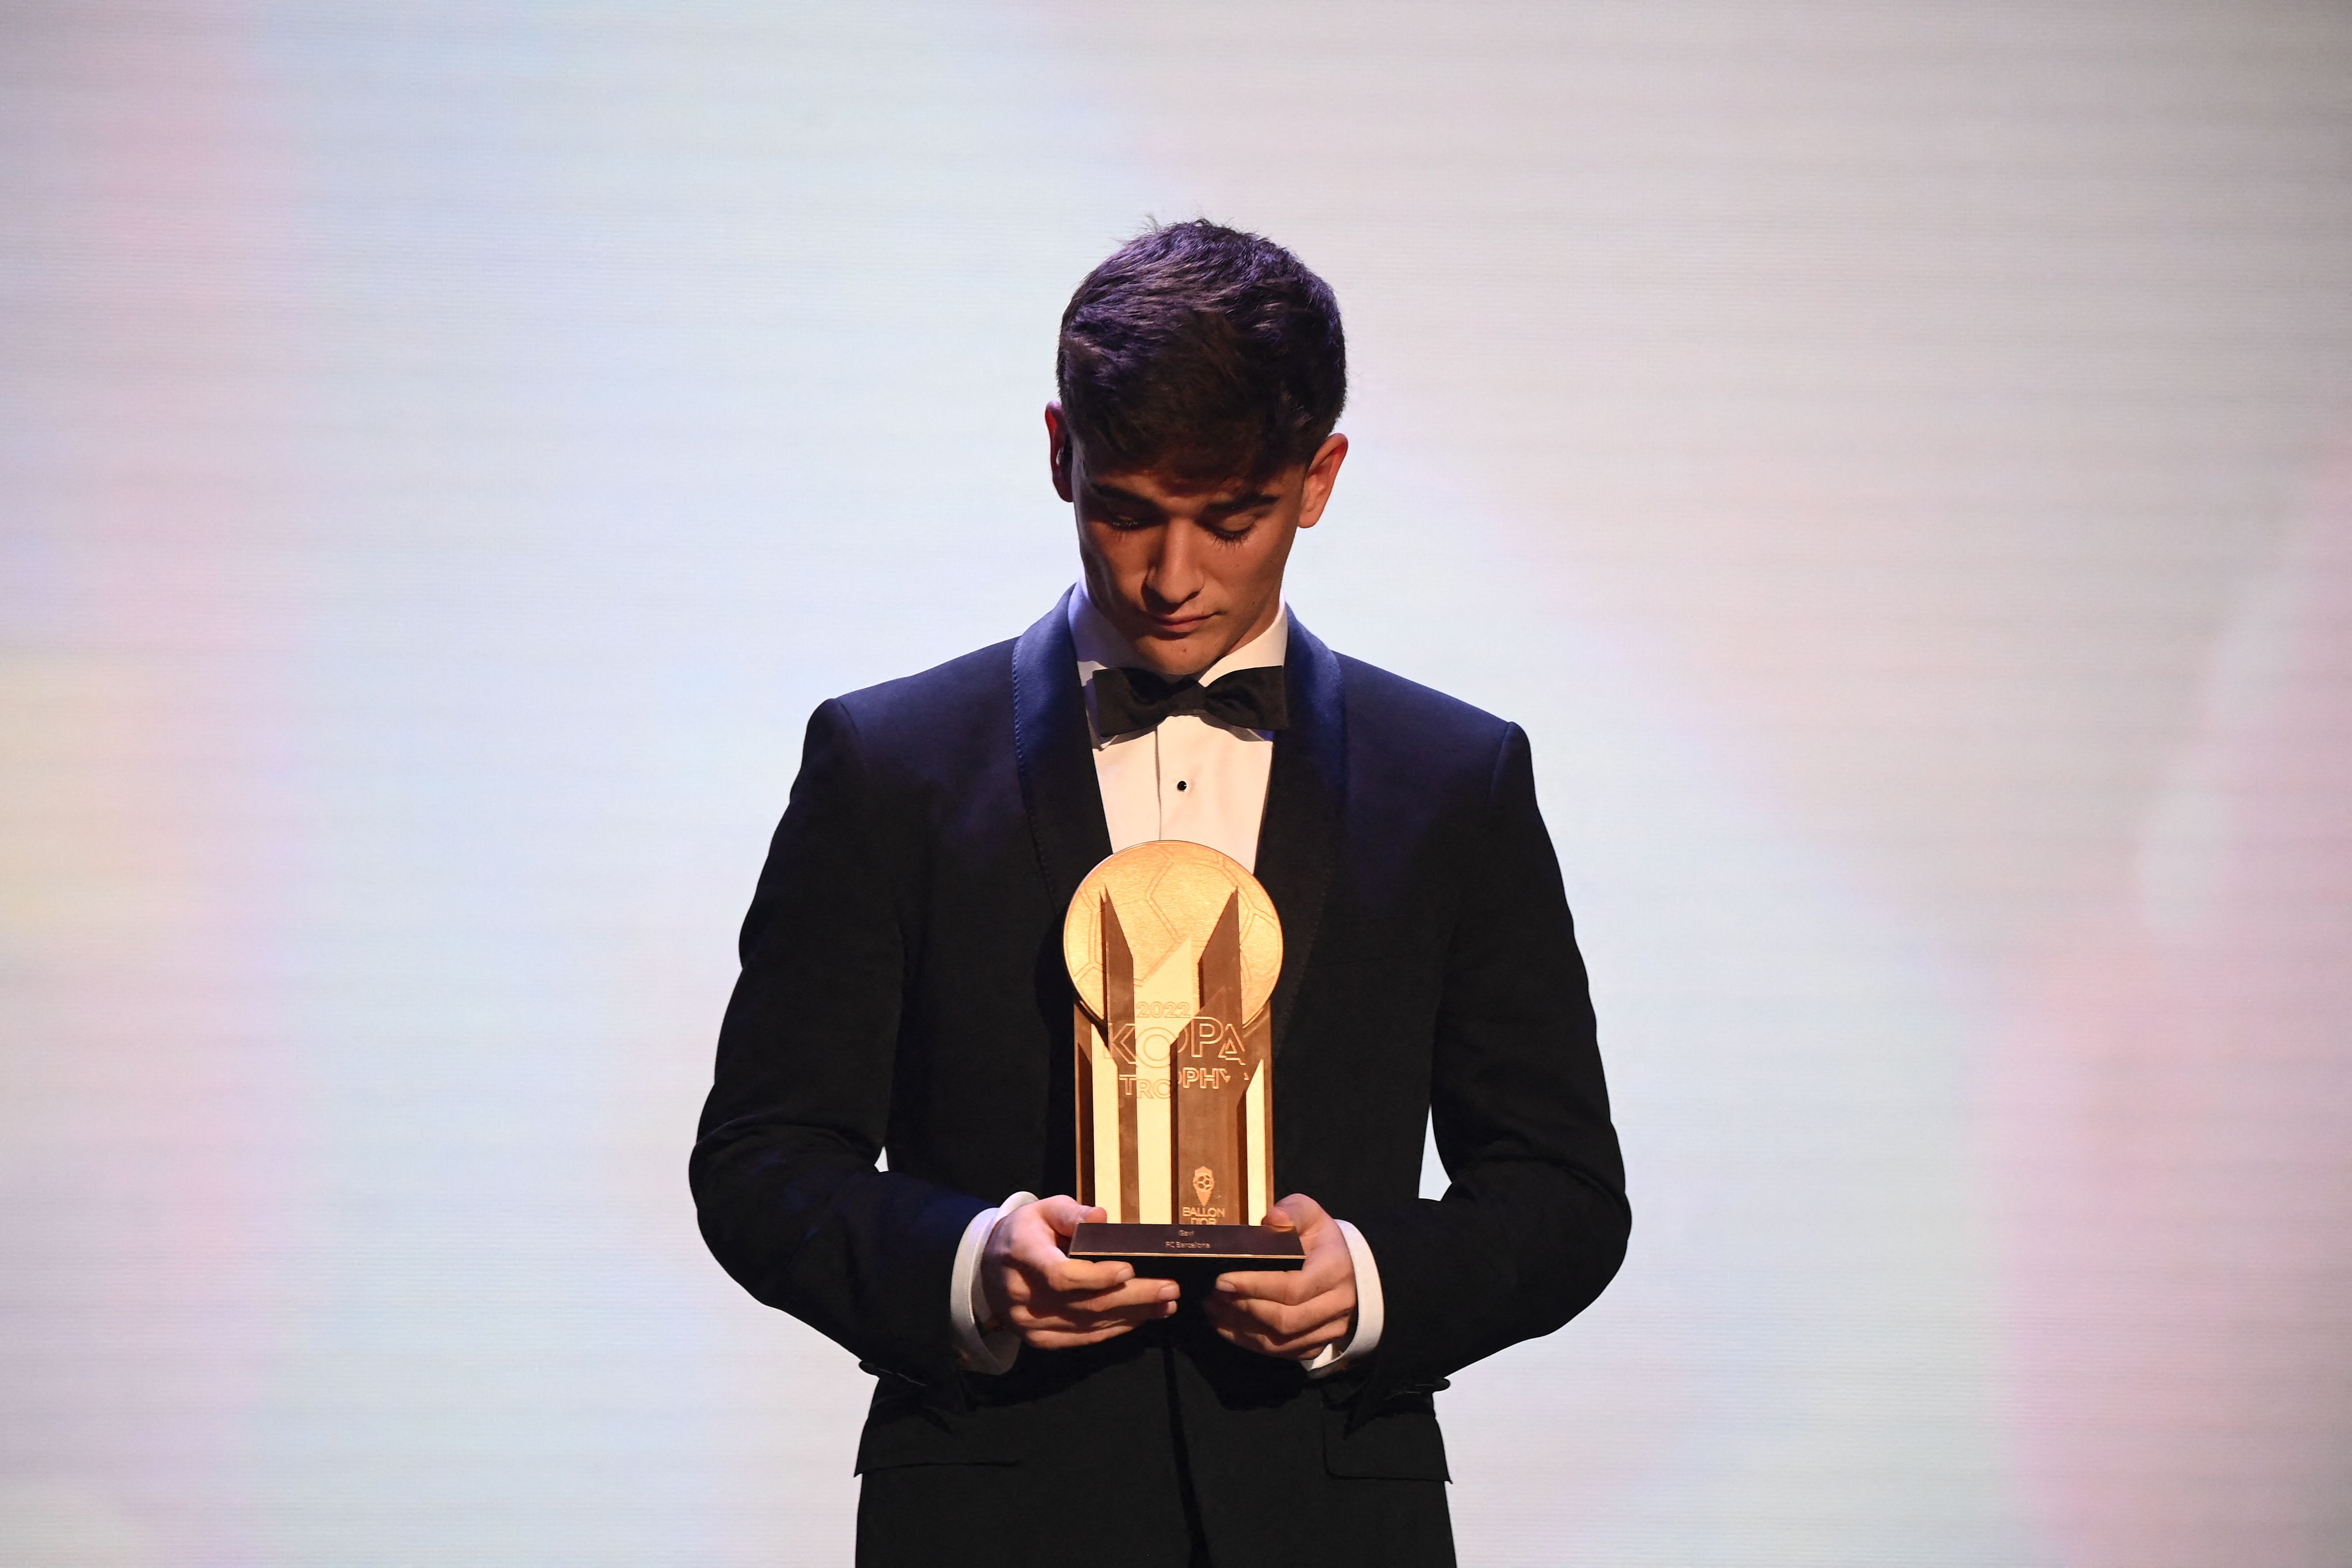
(1168, 894)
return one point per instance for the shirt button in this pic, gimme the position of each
(1179, 784)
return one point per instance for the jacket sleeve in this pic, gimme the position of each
(784, 1168)
(1534, 1221)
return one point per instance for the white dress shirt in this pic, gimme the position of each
(1191, 778)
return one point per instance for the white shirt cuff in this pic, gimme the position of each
(990, 1351)
(1368, 1310)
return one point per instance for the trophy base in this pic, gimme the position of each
(1192, 1255)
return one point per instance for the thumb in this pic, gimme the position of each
(1065, 1214)
(1279, 1218)
(1299, 1213)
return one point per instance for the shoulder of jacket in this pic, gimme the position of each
(942, 699)
(1422, 716)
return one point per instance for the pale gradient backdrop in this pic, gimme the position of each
(1895, 459)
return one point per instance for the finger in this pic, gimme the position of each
(1064, 1318)
(1036, 1248)
(1060, 1339)
(1065, 1214)
(1328, 1264)
(1143, 1299)
(1304, 1349)
(1133, 1293)
(1073, 1278)
(1292, 1285)
(1022, 1289)
(1030, 1231)
(1278, 1320)
(1267, 1287)
(1036, 1244)
(1077, 1282)
(1086, 1322)
(1146, 1298)
(1281, 1319)
(1303, 1344)
(1020, 1286)
(1303, 1212)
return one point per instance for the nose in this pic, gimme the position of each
(1175, 574)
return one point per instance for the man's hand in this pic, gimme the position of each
(1057, 1303)
(1292, 1315)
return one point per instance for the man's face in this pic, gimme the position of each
(1186, 571)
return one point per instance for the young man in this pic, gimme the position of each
(903, 988)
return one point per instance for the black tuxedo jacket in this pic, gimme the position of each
(902, 987)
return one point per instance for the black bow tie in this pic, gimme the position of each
(1129, 700)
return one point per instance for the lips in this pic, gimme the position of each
(1177, 626)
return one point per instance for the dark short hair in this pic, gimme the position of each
(1201, 350)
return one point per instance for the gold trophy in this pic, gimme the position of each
(1173, 950)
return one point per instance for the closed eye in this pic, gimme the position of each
(1235, 523)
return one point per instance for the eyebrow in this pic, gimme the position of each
(1239, 502)
(1103, 492)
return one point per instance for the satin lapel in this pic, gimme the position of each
(1052, 746)
(1298, 838)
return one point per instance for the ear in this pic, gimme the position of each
(1322, 473)
(1059, 452)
